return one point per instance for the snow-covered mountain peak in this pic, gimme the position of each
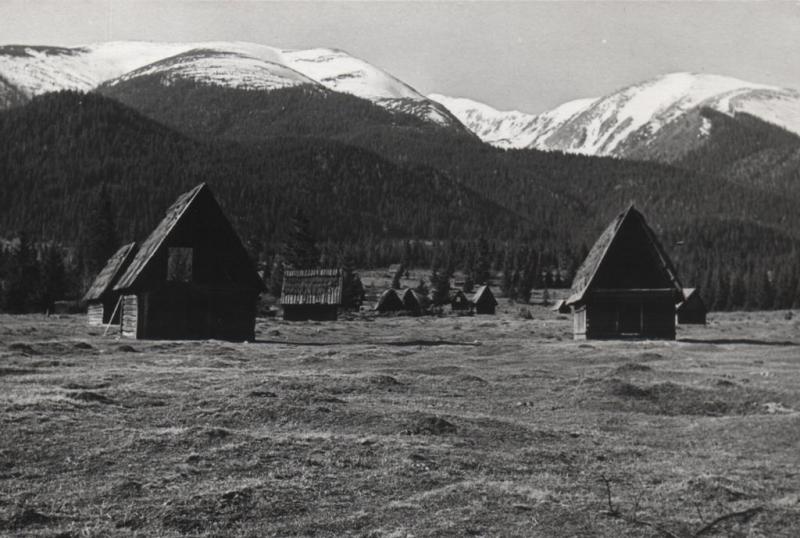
(510, 128)
(32, 70)
(220, 68)
(342, 72)
(626, 122)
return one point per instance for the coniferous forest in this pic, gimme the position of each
(80, 174)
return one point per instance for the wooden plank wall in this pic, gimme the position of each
(94, 314)
(130, 316)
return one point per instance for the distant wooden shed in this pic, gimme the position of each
(415, 302)
(626, 286)
(459, 301)
(389, 301)
(102, 300)
(484, 301)
(692, 309)
(192, 277)
(311, 294)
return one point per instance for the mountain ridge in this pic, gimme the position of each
(624, 123)
(34, 70)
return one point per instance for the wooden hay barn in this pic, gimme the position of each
(102, 300)
(414, 302)
(389, 301)
(311, 294)
(484, 301)
(626, 286)
(691, 310)
(192, 277)
(458, 301)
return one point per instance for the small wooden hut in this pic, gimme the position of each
(192, 277)
(311, 294)
(458, 301)
(484, 301)
(626, 286)
(102, 301)
(415, 302)
(389, 301)
(692, 309)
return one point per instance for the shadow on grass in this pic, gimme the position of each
(372, 343)
(747, 341)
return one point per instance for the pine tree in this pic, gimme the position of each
(275, 286)
(738, 293)
(398, 274)
(300, 248)
(766, 292)
(54, 277)
(23, 285)
(99, 234)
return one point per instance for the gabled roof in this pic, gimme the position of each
(410, 296)
(452, 293)
(157, 237)
(387, 297)
(176, 212)
(312, 287)
(109, 274)
(480, 292)
(590, 266)
(688, 292)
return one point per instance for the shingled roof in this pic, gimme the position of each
(312, 287)
(480, 292)
(154, 240)
(110, 273)
(588, 270)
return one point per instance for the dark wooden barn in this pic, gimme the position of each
(415, 302)
(389, 301)
(627, 286)
(692, 309)
(192, 277)
(458, 301)
(484, 301)
(102, 300)
(311, 294)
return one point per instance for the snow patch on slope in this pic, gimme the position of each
(509, 128)
(626, 121)
(227, 69)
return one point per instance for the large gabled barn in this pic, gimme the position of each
(458, 301)
(389, 301)
(626, 286)
(102, 301)
(691, 310)
(484, 301)
(311, 294)
(415, 302)
(192, 277)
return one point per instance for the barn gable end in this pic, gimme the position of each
(627, 286)
(192, 277)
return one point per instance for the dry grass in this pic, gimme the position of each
(467, 426)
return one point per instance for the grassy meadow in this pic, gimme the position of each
(400, 427)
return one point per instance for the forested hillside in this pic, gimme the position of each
(380, 187)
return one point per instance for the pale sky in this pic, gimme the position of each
(529, 56)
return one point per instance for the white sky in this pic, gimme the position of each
(531, 56)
